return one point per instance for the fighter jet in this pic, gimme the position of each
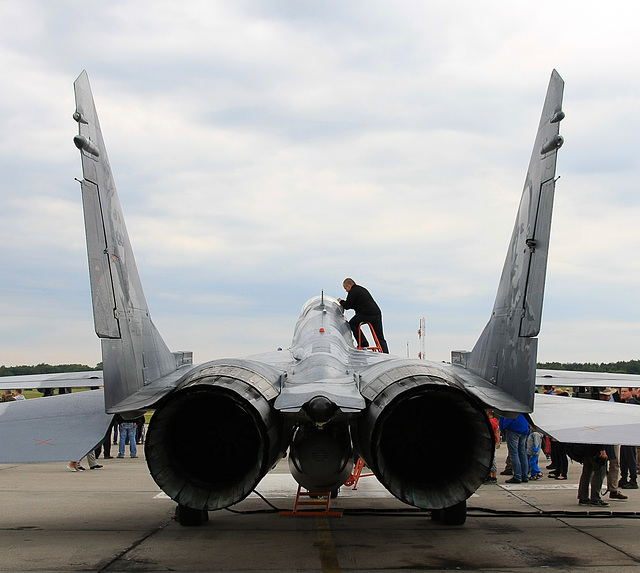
(219, 427)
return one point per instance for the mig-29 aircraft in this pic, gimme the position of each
(219, 427)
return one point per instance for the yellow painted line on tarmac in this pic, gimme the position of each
(328, 558)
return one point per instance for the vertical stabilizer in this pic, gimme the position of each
(133, 351)
(506, 351)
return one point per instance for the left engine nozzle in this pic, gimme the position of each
(210, 443)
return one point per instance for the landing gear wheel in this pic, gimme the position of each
(454, 515)
(189, 516)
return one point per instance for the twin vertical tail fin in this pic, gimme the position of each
(135, 355)
(133, 352)
(506, 351)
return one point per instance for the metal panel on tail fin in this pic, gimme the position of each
(104, 305)
(506, 352)
(539, 247)
(133, 352)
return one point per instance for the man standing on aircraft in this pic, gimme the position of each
(360, 300)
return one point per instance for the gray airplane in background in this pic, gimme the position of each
(219, 427)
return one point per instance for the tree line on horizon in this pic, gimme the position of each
(622, 367)
(46, 369)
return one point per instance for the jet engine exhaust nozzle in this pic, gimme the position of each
(430, 445)
(208, 447)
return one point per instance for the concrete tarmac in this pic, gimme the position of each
(116, 519)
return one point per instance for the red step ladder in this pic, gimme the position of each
(318, 499)
(357, 474)
(377, 347)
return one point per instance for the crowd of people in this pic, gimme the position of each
(131, 433)
(617, 463)
(9, 396)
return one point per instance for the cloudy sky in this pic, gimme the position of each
(266, 150)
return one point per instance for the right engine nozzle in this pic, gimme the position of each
(430, 445)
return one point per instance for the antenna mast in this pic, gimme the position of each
(422, 335)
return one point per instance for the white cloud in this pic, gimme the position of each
(264, 151)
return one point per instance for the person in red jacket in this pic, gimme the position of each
(493, 474)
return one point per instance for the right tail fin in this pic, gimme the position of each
(506, 352)
(133, 352)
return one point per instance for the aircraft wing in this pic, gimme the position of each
(593, 379)
(92, 378)
(59, 428)
(582, 421)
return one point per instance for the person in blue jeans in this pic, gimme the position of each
(517, 431)
(128, 430)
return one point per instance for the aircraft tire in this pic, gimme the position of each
(188, 516)
(454, 515)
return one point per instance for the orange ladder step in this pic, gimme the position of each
(357, 474)
(377, 347)
(319, 499)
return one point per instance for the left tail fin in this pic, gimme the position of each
(133, 352)
(506, 351)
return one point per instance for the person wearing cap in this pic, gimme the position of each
(609, 395)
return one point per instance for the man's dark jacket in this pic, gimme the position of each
(360, 300)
